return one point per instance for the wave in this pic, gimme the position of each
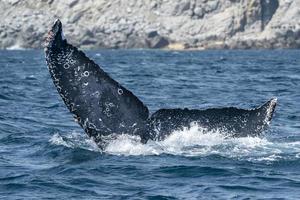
(189, 142)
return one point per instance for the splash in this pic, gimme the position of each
(189, 142)
(75, 140)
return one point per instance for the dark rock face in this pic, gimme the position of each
(269, 8)
(176, 24)
(154, 40)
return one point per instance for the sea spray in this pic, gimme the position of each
(189, 142)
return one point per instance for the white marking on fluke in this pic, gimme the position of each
(62, 35)
(270, 110)
(120, 91)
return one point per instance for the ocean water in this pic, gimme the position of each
(44, 154)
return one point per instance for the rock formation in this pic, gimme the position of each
(173, 24)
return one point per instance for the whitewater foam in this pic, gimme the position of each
(190, 142)
(75, 140)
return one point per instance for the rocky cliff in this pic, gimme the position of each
(174, 24)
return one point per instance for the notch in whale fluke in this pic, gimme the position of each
(55, 37)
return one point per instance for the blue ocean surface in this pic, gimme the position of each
(44, 154)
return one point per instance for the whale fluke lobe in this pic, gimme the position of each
(234, 122)
(99, 104)
(104, 108)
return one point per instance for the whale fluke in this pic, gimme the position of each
(104, 108)
(99, 104)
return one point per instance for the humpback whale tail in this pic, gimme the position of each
(104, 108)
